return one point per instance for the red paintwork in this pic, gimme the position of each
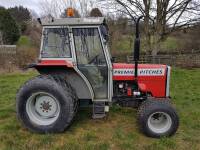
(55, 63)
(154, 84)
(142, 87)
(129, 91)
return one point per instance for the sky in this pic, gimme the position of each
(35, 5)
(30, 4)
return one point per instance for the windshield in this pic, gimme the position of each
(56, 43)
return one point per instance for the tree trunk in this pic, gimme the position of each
(156, 47)
(1, 38)
(147, 38)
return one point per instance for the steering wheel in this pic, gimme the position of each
(93, 60)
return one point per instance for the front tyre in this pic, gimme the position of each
(46, 104)
(158, 118)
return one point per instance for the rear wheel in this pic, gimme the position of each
(158, 118)
(46, 104)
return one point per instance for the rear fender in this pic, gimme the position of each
(70, 74)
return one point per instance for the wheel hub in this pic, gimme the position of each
(159, 122)
(45, 106)
(43, 109)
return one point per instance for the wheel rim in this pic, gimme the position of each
(42, 108)
(159, 122)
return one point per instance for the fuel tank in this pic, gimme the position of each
(155, 76)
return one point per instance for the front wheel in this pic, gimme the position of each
(158, 118)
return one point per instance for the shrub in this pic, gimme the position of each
(21, 16)
(24, 41)
(26, 55)
(8, 27)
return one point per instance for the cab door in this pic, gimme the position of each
(91, 60)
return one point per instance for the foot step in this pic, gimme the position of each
(98, 110)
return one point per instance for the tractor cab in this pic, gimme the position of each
(81, 44)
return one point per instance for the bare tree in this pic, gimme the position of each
(56, 7)
(95, 12)
(161, 17)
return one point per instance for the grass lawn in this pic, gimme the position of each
(118, 131)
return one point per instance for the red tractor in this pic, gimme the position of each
(76, 67)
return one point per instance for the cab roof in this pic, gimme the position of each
(74, 21)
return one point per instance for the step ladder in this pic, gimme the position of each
(98, 110)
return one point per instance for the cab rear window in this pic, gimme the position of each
(56, 43)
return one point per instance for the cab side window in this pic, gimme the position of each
(88, 46)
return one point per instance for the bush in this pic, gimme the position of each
(26, 55)
(8, 27)
(170, 45)
(21, 16)
(24, 41)
(34, 34)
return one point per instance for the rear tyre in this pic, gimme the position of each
(46, 104)
(158, 118)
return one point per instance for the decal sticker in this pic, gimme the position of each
(141, 72)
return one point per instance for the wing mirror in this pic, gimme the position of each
(104, 32)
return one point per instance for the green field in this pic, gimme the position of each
(118, 131)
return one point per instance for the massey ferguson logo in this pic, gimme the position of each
(141, 72)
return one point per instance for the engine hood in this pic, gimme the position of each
(154, 76)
